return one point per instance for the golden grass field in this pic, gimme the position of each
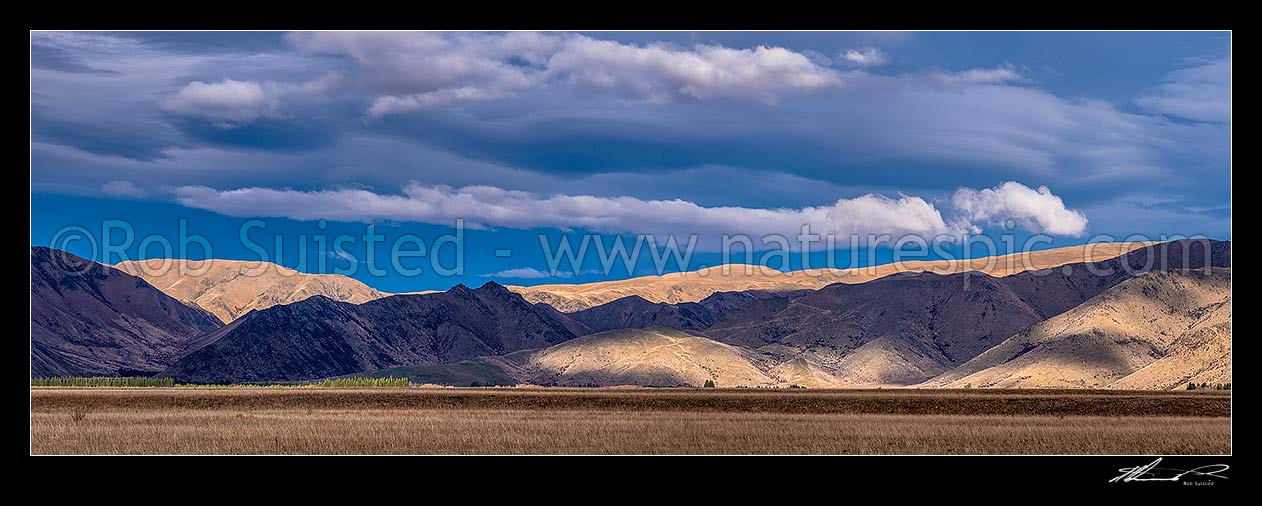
(636, 421)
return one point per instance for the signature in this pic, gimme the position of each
(1151, 472)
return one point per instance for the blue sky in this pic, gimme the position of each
(1066, 135)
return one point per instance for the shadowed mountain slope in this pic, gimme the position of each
(319, 337)
(635, 312)
(92, 319)
(896, 330)
(1158, 330)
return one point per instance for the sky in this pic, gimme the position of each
(274, 145)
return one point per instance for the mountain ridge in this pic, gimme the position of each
(694, 286)
(231, 288)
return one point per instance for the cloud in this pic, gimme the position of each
(659, 73)
(866, 56)
(418, 70)
(877, 133)
(409, 71)
(1201, 92)
(533, 273)
(495, 207)
(997, 75)
(227, 100)
(487, 206)
(429, 100)
(527, 273)
(1036, 210)
(926, 131)
(61, 60)
(123, 189)
(343, 255)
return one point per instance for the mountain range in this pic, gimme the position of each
(962, 330)
(910, 327)
(1156, 331)
(697, 285)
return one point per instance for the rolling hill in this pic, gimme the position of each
(645, 357)
(92, 319)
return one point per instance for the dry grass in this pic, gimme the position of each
(165, 421)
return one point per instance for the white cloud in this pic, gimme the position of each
(488, 206)
(227, 100)
(390, 104)
(343, 255)
(495, 207)
(1035, 210)
(527, 273)
(864, 57)
(411, 71)
(1201, 93)
(123, 189)
(531, 47)
(998, 75)
(400, 63)
(659, 73)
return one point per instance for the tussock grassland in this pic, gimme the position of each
(624, 421)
